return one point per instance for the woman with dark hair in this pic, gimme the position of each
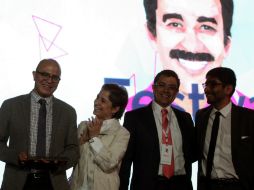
(103, 142)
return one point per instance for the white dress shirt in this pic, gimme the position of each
(223, 165)
(176, 137)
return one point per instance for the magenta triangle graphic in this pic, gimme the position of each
(48, 33)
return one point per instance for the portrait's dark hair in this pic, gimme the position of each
(118, 96)
(227, 7)
(167, 73)
(225, 75)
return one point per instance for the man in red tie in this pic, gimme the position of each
(161, 146)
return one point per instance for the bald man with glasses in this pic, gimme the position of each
(38, 135)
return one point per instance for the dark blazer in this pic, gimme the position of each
(144, 149)
(15, 125)
(242, 141)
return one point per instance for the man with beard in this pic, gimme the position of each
(190, 37)
(38, 135)
(225, 136)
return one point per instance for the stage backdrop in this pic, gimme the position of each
(99, 41)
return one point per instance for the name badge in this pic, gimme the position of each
(166, 154)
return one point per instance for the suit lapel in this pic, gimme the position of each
(179, 119)
(203, 122)
(150, 124)
(26, 114)
(55, 120)
(235, 129)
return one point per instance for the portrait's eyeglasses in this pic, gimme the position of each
(166, 86)
(47, 76)
(211, 84)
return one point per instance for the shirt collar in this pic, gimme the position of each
(224, 111)
(157, 108)
(37, 97)
(107, 124)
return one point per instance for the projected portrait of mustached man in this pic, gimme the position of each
(190, 37)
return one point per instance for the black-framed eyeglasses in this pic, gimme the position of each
(45, 75)
(166, 86)
(211, 84)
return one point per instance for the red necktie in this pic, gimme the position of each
(168, 170)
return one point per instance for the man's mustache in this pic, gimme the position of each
(181, 54)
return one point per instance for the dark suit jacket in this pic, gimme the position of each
(15, 126)
(242, 141)
(144, 149)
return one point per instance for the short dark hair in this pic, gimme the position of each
(167, 73)
(225, 75)
(227, 7)
(118, 96)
